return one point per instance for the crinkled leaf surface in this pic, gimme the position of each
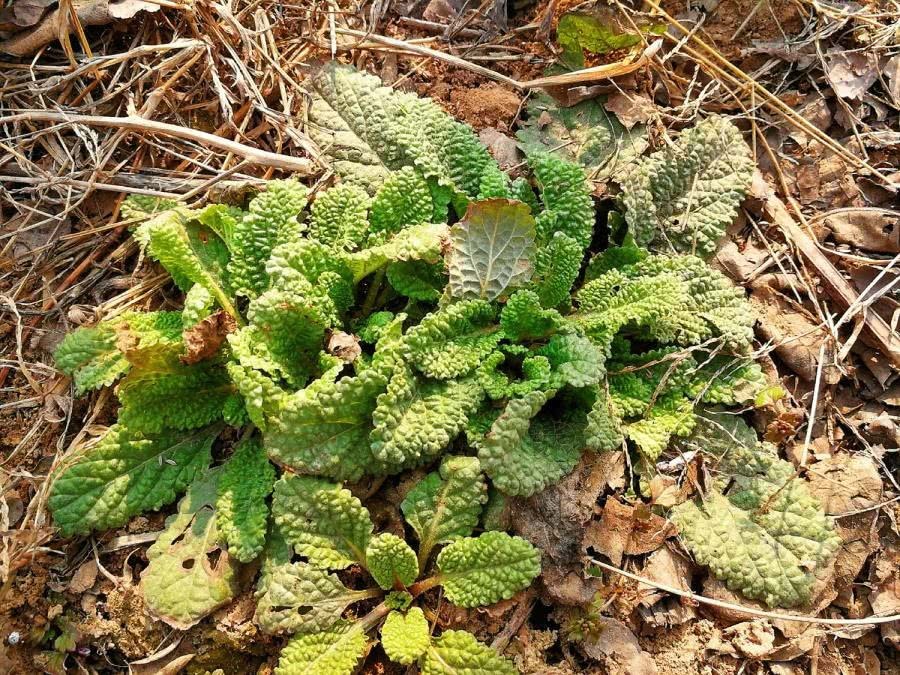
(391, 561)
(125, 474)
(684, 196)
(446, 504)
(524, 451)
(478, 571)
(454, 340)
(298, 597)
(457, 652)
(92, 357)
(323, 521)
(415, 420)
(335, 651)
(493, 249)
(241, 508)
(188, 575)
(767, 535)
(405, 637)
(368, 130)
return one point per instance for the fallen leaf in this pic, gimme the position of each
(626, 530)
(84, 577)
(57, 22)
(554, 520)
(22, 13)
(869, 229)
(618, 649)
(202, 340)
(850, 73)
(631, 109)
(891, 71)
(844, 483)
(343, 345)
(657, 607)
(503, 148)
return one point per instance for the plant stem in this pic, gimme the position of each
(372, 294)
(425, 585)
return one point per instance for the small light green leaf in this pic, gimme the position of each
(184, 580)
(574, 360)
(391, 561)
(335, 651)
(457, 652)
(478, 571)
(323, 521)
(493, 248)
(299, 598)
(241, 508)
(125, 474)
(405, 637)
(446, 504)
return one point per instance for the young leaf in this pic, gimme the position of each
(340, 217)
(457, 652)
(184, 580)
(299, 598)
(323, 521)
(405, 637)
(271, 220)
(446, 504)
(574, 361)
(334, 651)
(241, 509)
(391, 561)
(125, 474)
(402, 200)
(487, 569)
(190, 251)
(493, 249)
(453, 341)
(425, 243)
(684, 196)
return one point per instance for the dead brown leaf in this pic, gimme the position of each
(630, 108)
(869, 229)
(58, 22)
(555, 519)
(850, 73)
(343, 345)
(626, 530)
(203, 340)
(618, 649)
(84, 577)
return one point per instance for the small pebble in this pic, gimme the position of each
(14, 638)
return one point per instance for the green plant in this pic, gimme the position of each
(470, 339)
(758, 529)
(331, 529)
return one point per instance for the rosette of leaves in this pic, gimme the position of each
(504, 336)
(330, 530)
